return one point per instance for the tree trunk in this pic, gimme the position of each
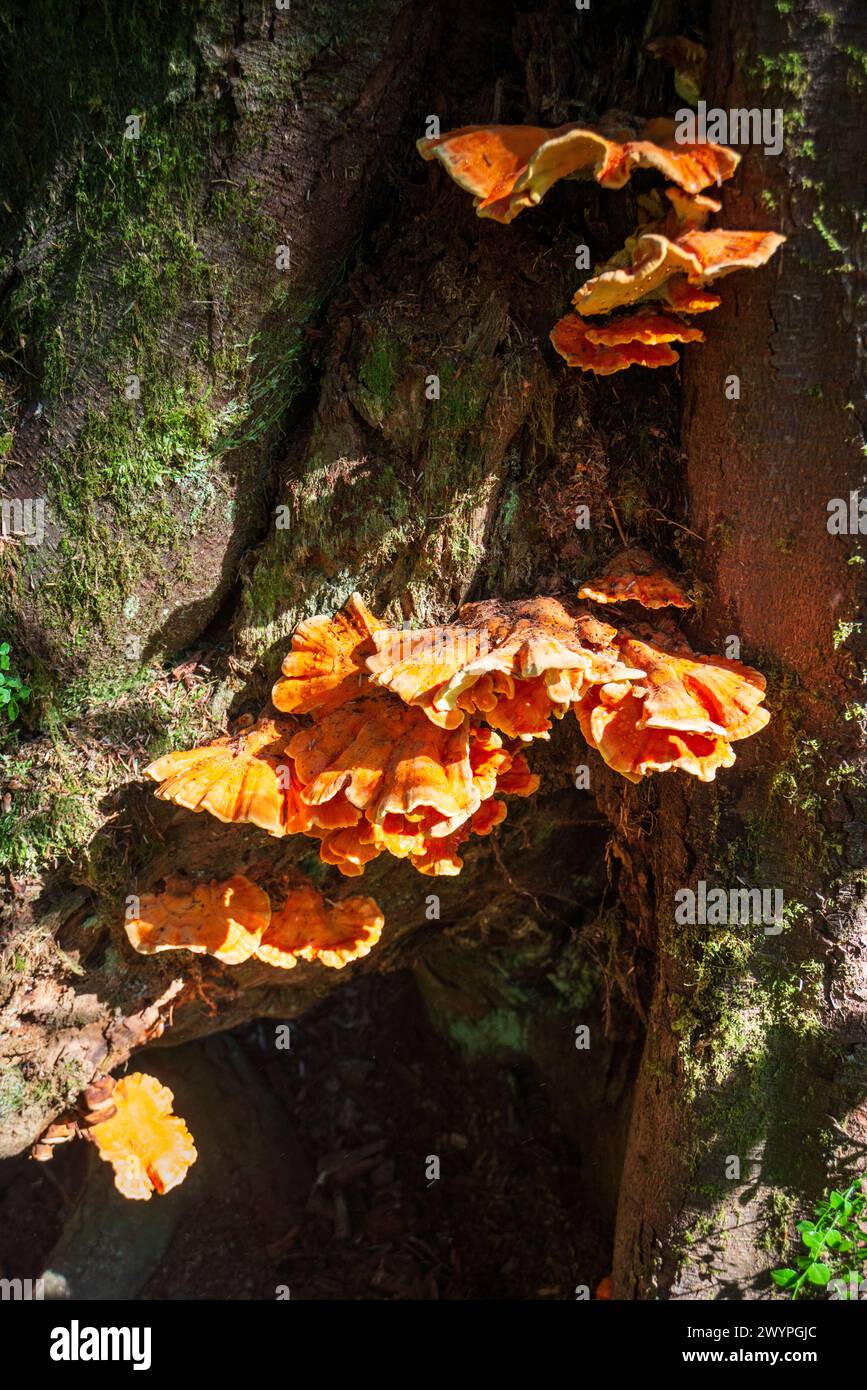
(282, 452)
(757, 1043)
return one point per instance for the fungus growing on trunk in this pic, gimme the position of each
(306, 927)
(551, 645)
(222, 919)
(323, 668)
(610, 721)
(633, 576)
(654, 258)
(149, 1148)
(509, 168)
(239, 777)
(630, 340)
(417, 763)
(690, 693)
(684, 713)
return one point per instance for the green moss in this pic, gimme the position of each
(786, 71)
(61, 809)
(499, 1030)
(124, 240)
(19, 1091)
(377, 374)
(778, 1221)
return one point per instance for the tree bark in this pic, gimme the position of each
(284, 452)
(757, 1043)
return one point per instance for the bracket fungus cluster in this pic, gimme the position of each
(411, 739)
(664, 269)
(235, 921)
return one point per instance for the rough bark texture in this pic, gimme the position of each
(419, 505)
(757, 1044)
(301, 397)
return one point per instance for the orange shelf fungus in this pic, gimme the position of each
(323, 668)
(305, 927)
(149, 1148)
(690, 693)
(413, 756)
(389, 759)
(237, 778)
(633, 576)
(684, 713)
(510, 168)
(654, 258)
(222, 919)
(632, 340)
(672, 257)
(233, 921)
(611, 723)
(550, 645)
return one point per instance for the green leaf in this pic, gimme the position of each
(819, 1274)
(811, 1239)
(784, 1277)
(836, 1199)
(805, 1226)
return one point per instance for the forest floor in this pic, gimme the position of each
(371, 1093)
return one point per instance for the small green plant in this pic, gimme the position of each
(13, 691)
(836, 1245)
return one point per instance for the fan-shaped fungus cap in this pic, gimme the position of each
(690, 693)
(611, 723)
(515, 663)
(687, 298)
(324, 667)
(509, 168)
(719, 252)
(647, 326)
(570, 338)
(222, 919)
(415, 664)
(634, 576)
(242, 777)
(305, 927)
(388, 758)
(655, 258)
(149, 1148)
(691, 166)
(427, 837)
